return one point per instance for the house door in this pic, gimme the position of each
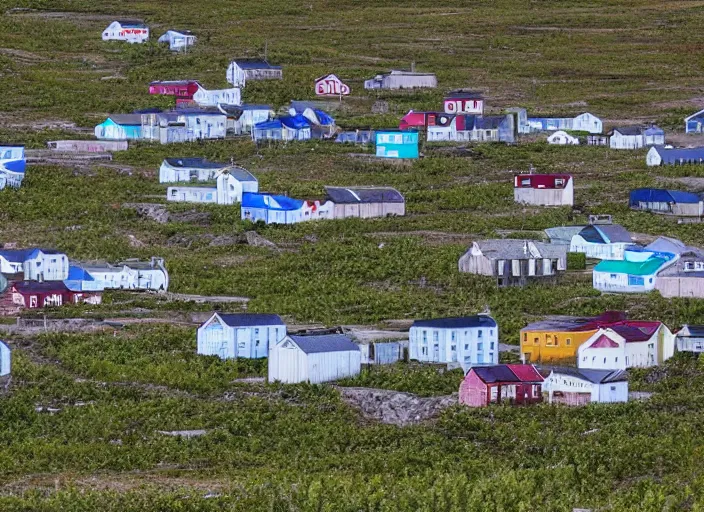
(33, 301)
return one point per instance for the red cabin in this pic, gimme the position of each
(182, 89)
(513, 383)
(35, 295)
(421, 120)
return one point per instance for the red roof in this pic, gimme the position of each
(604, 341)
(541, 180)
(526, 372)
(636, 331)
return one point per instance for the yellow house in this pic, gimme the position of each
(558, 339)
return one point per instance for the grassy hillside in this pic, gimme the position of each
(79, 428)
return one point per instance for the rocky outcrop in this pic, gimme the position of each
(395, 408)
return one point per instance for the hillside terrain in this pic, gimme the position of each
(83, 421)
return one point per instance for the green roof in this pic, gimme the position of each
(633, 268)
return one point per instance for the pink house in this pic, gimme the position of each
(514, 383)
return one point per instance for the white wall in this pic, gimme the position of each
(653, 158)
(169, 174)
(558, 382)
(613, 251)
(5, 359)
(466, 340)
(217, 338)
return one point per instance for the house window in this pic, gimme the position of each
(424, 351)
(479, 334)
(480, 346)
(256, 337)
(568, 342)
(435, 336)
(525, 182)
(613, 388)
(548, 340)
(453, 336)
(241, 344)
(556, 341)
(173, 193)
(525, 337)
(615, 359)
(491, 346)
(536, 341)
(425, 336)
(453, 348)
(559, 182)
(466, 346)
(604, 360)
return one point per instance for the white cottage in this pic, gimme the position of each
(130, 275)
(5, 359)
(130, 31)
(635, 137)
(314, 359)
(470, 341)
(178, 40)
(632, 344)
(602, 241)
(35, 264)
(245, 335)
(572, 386)
(214, 97)
(174, 170)
(230, 184)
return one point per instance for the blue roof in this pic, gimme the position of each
(250, 319)
(324, 118)
(654, 130)
(659, 195)
(457, 322)
(274, 124)
(255, 64)
(21, 255)
(78, 274)
(270, 202)
(18, 166)
(687, 155)
(297, 122)
(248, 106)
(325, 343)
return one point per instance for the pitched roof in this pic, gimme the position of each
(254, 64)
(543, 181)
(675, 155)
(633, 268)
(577, 324)
(605, 234)
(126, 119)
(356, 195)
(132, 23)
(593, 376)
(76, 273)
(270, 201)
(457, 322)
(695, 331)
(21, 255)
(603, 341)
(660, 195)
(562, 235)
(194, 163)
(667, 244)
(629, 130)
(507, 373)
(636, 330)
(250, 319)
(512, 249)
(40, 287)
(465, 95)
(325, 343)
(240, 173)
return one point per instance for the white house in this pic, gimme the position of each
(635, 137)
(635, 273)
(242, 118)
(35, 264)
(239, 71)
(691, 339)
(131, 275)
(664, 155)
(272, 209)
(230, 184)
(126, 30)
(313, 359)
(563, 138)
(5, 359)
(174, 170)
(246, 335)
(178, 40)
(602, 241)
(634, 344)
(470, 341)
(212, 98)
(572, 386)
(544, 189)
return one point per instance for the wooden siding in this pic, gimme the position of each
(545, 196)
(680, 286)
(368, 210)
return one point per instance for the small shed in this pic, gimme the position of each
(667, 202)
(397, 79)
(241, 70)
(183, 90)
(694, 123)
(274, 209)
(684, 278)
(313, 359)
(178, 40)
(241, 119)
(623, 276)
(602, 241)
(330, 85)
(584, 122)
(5, 359)
(243, 335)
(381, 352)
(12, 166)
(87, 146)
(562, 138)
(562, 235)
(573, 386)
(366, 202)
(120, 127)
(690, 339)
(396, 144)
(661, 155)
(513, 383)
(36, 295)
(544, 189)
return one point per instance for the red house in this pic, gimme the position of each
(464, 102)
(36, 295)
(182, 89)
(544, 189)
(515, 383)
(421, 120)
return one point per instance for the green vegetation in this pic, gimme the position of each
(576, 261)
(80, 424)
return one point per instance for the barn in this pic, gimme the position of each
(397, 79)
(544, 189)
(602, 241)
(667, 202)
(572, 386)
(241, 70)
(241, 335)
(314, 359)
(502, 383)
(660, 155)
(365, 202)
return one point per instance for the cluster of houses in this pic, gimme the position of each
(136, 31)
(596, 353)
(37, 278)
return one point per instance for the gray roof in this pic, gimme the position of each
(457, 322)
(240, 173)
(695, 331)
(511, 249)
(324, 343)
(129, 119)
(594, 376)
(194, 163)
(254, 64)
(614, 232)
(667, 244)
(562, 235)
(250, 319)
(674, 155)
(355, 195)
(629, 130)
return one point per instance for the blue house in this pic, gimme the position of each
(668, 202)
(270, 208)
(396, 144)
(694, 123)
(245, 335)
(12, 166)
(120, 127)
(5, 359)
(80, 280)
(469, 341)
(283, 128)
